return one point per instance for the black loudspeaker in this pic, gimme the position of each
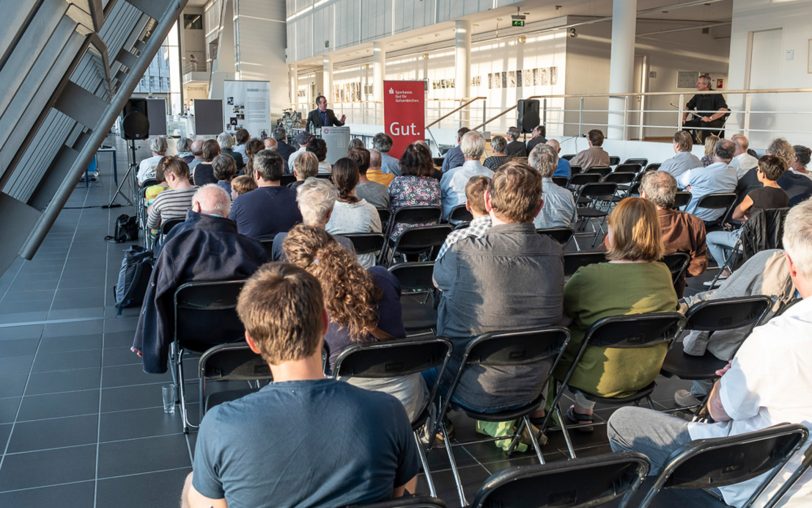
(528, 114)
(134, 120)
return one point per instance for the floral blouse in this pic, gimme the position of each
(412, 191)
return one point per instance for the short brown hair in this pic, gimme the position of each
(361, 157)
(281, 308)
(306, 165)
(211, 149)
(176, 166)
(241, 136)
(772, 167)
(595, 137)
(684, 141)
(224, 167)
(243, 184)
(635, 231)
(475, 193)
(516, 191)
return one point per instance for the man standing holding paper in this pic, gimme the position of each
(323, 117)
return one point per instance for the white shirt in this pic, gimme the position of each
(743, 163)
(146, 169)
(293, 157)
(453, 183)
(770, 382)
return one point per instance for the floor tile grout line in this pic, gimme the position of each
(104, 478)
(111, 441)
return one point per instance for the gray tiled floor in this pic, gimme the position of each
(82, 425)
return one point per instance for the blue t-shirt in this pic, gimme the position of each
(563, 168)
(266, 211)
(305, 443)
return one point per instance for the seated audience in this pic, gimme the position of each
(282, 145)
(174, 202)
(515, 148)
(383, 143)
(151, 192)
(474, 203)
(204, 172)
(206, 247)
(146, 168)
(242, 184)
(563, 168)
(591, 294)
(318, 147)
(224, 170)
(301, 140)
(538, 136)
(558, 208)
(761, 387)
(454, 180)
(749, 182)
(769, 195)
(375, 173)
(184, 149)
(197, 152)
(363, 305)
(453, 157)
(241, 137)
(715, 178)
(595, 155)
(305, 166)
(710, 147)
(374, 193)
(415, 186)
(271, 208)
(356, 143)
(253, 147)
(681, 231)
(742, 160)
(524, 275)
(302, 440)
(684, 159)
(226, 142)
(270, 144)
(499, 157)
(802, 157)
(350, 213)
(797, 182)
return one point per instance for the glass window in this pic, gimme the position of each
(193, 21)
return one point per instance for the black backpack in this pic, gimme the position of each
(126, 229)
(133, 277)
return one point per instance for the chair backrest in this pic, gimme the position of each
(717, 201)
(568, 156)
(707, 463)
(727, 313)
(233, 362)
(417, 215)
(614, 160)
(583, 179)
(267, 244)
(366, 243)
(459, 214)
(634, 189)
(384, 214)
(620, 177)
(560, 235)
(640, 161)
(149, 182)
(602, 480)
(392, 358)
(627, 167)
(574, 170)
(287, 180)
(561, 181)
(634, 330)
(677, 263)
(763, 230)
(422, 238)
(414, 277)
(654, 166)
(600, 191)
(206, 315)
(575, 260)
(601, 170)
(167, 225)
(682, 198)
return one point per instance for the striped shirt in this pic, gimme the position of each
(170, 204)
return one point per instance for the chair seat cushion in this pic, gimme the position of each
(684, 366)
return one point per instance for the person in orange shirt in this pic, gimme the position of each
(374, 173)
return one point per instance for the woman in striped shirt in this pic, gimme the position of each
(174, 202)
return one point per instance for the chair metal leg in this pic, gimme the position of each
(181, 384)
(563, 424)
(425, 463)
(453, 463)
(533, 438)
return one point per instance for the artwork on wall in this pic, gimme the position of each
(542, 76)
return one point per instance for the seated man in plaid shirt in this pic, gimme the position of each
(474, 203)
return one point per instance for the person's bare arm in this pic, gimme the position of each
(741, 211)
(715, 407)
(410, 486)
(191, 498)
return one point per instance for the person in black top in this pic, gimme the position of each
(539, 136)
(282, 145)
(515, 148)
(204, 172)
(499, 157)
(706, 111)
(323, 117)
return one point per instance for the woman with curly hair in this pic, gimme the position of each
(362, 305)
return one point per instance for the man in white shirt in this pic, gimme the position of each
(454, 181)
(302, 139)
(742, 161)
(146, 169)
(684, 159)
(768, 382)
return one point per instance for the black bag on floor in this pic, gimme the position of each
(133, 277)
(126, 229)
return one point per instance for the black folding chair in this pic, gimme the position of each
(574, 170)
(654, 166)
(367, 243)
(600, 170)
(806, 463)
(230, 362)
(677, 263)
(602, 480)
(614, 160)
(411, 215)
(575, 260)
(421, 241)
(642, 162)
(417, 295)
(594, 201)
(384, 214)
(632, 331)
(267, 244)
(713, 463)
(287, 180)
(624, 181)
(398, 358)
(629, 167)
(405, 502)
(561, 181)
(568, 156)
(682, 198)
(711, 316)
(459, 214)
(205, 316)
(719, 201)
(504, 350)
(560, 235)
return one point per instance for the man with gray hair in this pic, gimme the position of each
(499, 157)
(558, 208)
(717, 177)
(197, 151)
(184, 149)
(383, 143)
(226, 142)
(146, 169)
(515, 148)
(682, 232)
(683, 160)
(563, 168)
(453, 182)
(762, 386)
(742, 161)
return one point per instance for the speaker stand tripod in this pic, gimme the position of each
(131, 159)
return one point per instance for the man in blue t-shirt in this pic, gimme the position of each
(302, 440)
(270, 208)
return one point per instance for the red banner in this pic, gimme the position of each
(404, 113)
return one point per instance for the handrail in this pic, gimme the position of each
(432, 124)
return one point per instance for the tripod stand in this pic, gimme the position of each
(130, 171)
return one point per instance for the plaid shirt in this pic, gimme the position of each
(477, 228)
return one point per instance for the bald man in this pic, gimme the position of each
(563, 169)
(197, 150)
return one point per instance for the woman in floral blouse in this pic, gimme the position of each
(415, 187)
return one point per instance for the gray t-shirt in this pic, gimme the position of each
(358, 217)
(373, 193)
(305, 443)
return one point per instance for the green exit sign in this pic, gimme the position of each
(518, 22)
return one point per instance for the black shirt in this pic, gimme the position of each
(535, 141)
(768, 197)
(203, 174)
(266, 211)
(707, 104)
(516, 149)
(797, 186)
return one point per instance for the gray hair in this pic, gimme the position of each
(316, 198)
(225, 140)
(158, 144)
(472, 145)
(184, 144)
(513, 133)
(660, 188)
(798, 237)
(544, 158)
(498, 143)
(213, 199)
(382, 142)
(725, 149)
(306, 165)
(224, 167)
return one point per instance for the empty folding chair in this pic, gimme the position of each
(560, 235)
(722, 201)
(682, 198)
(627, 167)
(577, 181)
(367, 243)
(568, 156)
(614, 160)
(594, 201)
(654, 166)
(396, 359)
(713, 463)
(623, 180)
(422, 241)
(229, 363)
(642, 162)
(459, 215)
(600, 170)
(575, 260)
(602, 480)
(417, 295)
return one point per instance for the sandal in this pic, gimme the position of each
(583, 421)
